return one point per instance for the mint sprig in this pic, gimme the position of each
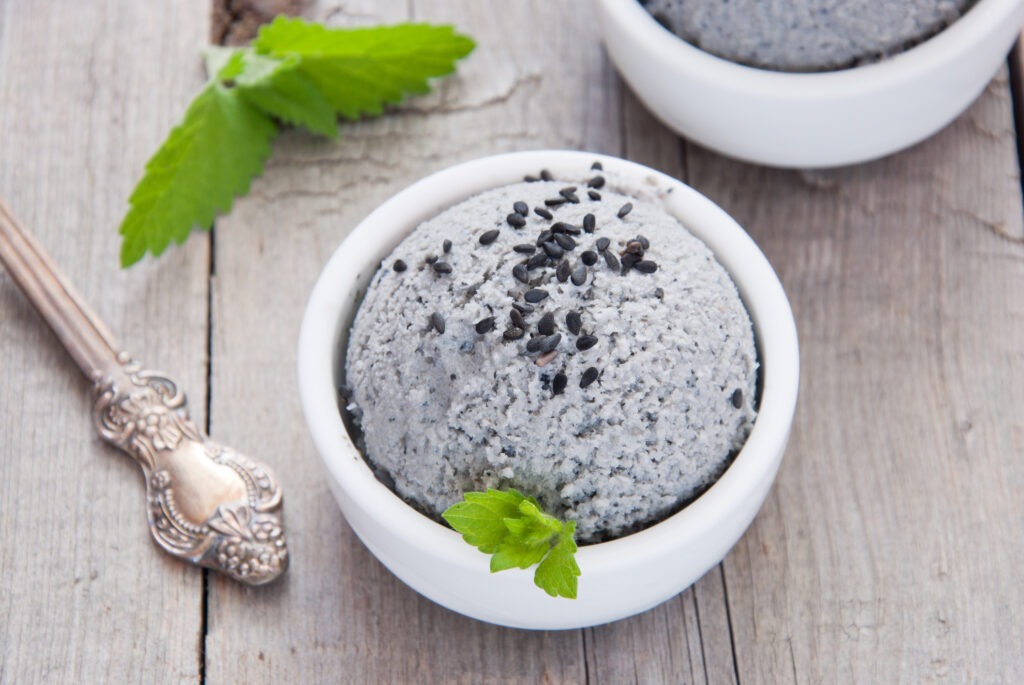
(512, 528)
(295, 73)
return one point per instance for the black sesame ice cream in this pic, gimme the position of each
(564, 339)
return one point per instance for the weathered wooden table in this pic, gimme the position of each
(891, 548)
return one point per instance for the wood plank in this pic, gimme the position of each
(889, 549)
(347, 617)
(86, 93)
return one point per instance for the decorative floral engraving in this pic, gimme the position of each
(252, 547)
(147, 417)
(145, 414)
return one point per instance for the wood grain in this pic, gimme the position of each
(86, 94)
(890, 549)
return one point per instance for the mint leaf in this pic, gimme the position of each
(533, 526)
(516, 554)
(299, 73)
(360, 70)
(280, 89)
(481, 517)
(557, 574)
(513, 529)
(206, 161)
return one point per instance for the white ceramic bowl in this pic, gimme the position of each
(809, 120)
(621, 577)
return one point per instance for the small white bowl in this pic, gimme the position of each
(801, 120)
(621, 577)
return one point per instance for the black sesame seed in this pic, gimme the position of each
(589, 376)
(643, 241)
(589, 223)
(554, 201)
(515, 220)
(625, 209)
(521, 208)
(485, 325)
(533, 344)
(574, 322)
(523, 308)
(565, 242)
(516, 317)
(558, 383)
(646, 266)
(553, 250)
(488, 237)
(597, 166)
(562, 227)
(536, 261)
(543, 213)
(437, 321)
(546, 325)
(594, 195)
(519, 272)
(567, 189)
(545, 175)
(737, 398)
(399, 266)
(572, 197)
(589, 258)
(597, 182)
(441, 268)
(550, 342)
(530, 179)
(431, 259)
(628, 260)
(563, 271)
(544, 237)
(611, 260)
(535, 295)
(585, 342)
(524, 248)
(446, 246)
(602, 244)
(512, 333)
(579, 275)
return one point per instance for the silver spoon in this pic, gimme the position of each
(206, 503)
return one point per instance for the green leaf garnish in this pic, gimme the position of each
(360, 70)
(296, 73)
(558, 572)
(512, 528)
(206, 161)
(280, 89)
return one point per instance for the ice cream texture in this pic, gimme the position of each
(571, 340)
(805, 35)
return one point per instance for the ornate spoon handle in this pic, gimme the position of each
(207, 504)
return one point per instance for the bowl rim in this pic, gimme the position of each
(321, 328)
(904, 66)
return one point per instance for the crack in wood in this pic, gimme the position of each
(236, 22)
(728, 622)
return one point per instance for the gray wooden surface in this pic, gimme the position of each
(889, 549)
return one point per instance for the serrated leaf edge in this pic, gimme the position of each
(503, 553)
